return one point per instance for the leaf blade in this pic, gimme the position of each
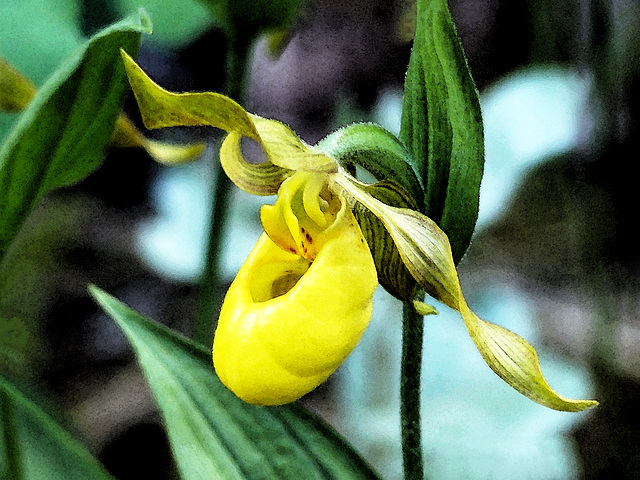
(442, 125)
(61, 136)
(35, 446)
(210, 428)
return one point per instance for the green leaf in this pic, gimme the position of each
(33, 446)
(177, 23)
(37, 35)
(216, 435)
(442, 125)
(61, 136)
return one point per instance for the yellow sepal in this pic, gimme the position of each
(16, 90)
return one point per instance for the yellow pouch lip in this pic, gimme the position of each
(274, 350)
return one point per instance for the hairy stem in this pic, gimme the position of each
(412, 330)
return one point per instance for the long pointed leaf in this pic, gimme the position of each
(34, 447)
(214, 434)
(442, 125)
(61, 137)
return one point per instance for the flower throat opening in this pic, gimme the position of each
(276, 279)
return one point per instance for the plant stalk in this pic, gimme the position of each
(410, 376)
(210, 295)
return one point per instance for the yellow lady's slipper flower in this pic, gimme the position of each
(302, 299)
(299, 303)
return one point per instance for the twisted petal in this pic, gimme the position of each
(16, 90)
(426, 252)
(284, 151)
(300, 303)
(126, 135)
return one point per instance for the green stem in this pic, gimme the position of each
(209, 295)
(410, 376)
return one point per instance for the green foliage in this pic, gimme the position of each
(216, 435)
(442, 125)
(37, 35)
(33, 446)
(62, 135)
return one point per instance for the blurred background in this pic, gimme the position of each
(553, 257)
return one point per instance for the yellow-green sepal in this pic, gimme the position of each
(16, 90)
(380, 153)
(126, 135)
(426, 252)
(284, 151)
(393, 275)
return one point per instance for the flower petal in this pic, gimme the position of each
(284, 151)
(287, 322)
(255, 178)
(516, 362)
(426, 252)
(16, 90)
(126, 135)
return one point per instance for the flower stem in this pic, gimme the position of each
(412, 330)
(208, 299)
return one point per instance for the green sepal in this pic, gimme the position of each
(377, 151)
(34, 446)
(380, 153)
(442, 125)
(393, 275)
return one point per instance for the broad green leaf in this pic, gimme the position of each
(34, 447)
(214, 434)
(442, 126)
(177, 23)
(37, 35)
(61, 136)
(14, 338)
